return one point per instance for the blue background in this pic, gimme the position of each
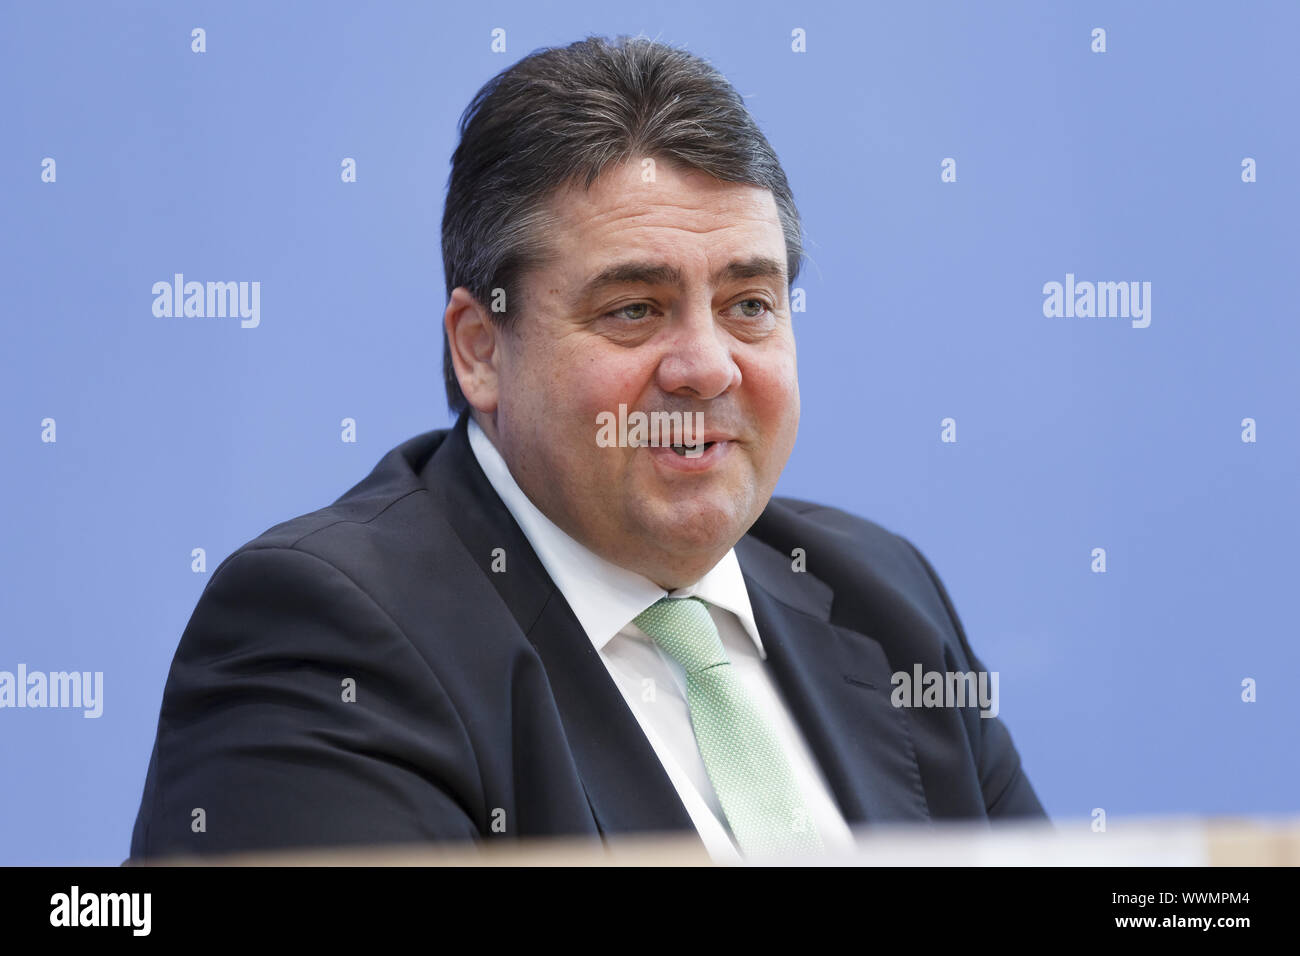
(1122, 690)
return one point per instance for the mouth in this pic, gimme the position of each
(690, 459)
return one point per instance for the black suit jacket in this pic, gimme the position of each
(482, 711)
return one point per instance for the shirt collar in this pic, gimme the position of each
(604, 596)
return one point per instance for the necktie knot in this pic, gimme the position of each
(685, 631)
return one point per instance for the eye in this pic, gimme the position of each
(633, 310)
(761, 303)
(617, 313)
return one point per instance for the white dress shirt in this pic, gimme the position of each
(605, 598)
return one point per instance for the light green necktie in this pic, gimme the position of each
(741, 752)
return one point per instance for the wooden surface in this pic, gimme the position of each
(1173, 842)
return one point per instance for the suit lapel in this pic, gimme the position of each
(626, 785)
(836, 683)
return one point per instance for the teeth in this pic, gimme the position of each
(694, 451)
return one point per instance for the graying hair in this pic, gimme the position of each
(566, 114)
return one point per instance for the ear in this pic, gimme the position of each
(473, 339)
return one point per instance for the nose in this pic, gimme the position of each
(697, 357)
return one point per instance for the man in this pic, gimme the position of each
(514, 629)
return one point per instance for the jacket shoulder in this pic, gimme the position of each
(365, 520)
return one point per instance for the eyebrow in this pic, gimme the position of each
(653, 273)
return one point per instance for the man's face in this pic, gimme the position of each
(708, 332)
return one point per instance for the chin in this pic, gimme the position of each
(694, 526)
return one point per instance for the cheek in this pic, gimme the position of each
(776, 393)
(549, 386)
(594, 383)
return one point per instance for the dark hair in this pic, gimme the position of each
(562, 114)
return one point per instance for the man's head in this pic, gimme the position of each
(619, 232)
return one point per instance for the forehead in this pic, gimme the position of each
(676, 211)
